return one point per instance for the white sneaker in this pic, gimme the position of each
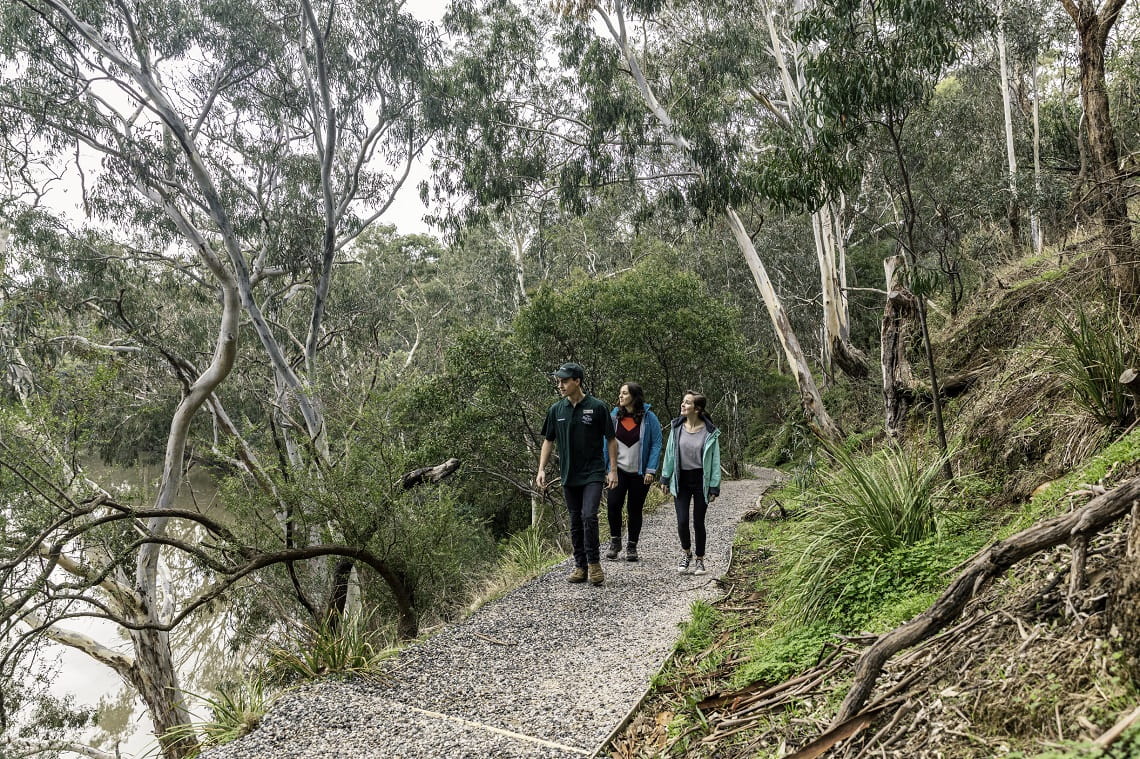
(700, 567)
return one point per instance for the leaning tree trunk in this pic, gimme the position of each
(898, 316)
(818, 419)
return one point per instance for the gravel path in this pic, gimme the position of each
(545, 672)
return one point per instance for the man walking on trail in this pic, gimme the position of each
(581, 425)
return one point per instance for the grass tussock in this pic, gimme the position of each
(352, 648)
(526, 555)
(235, 711)
(866, 509)
(1091, 358)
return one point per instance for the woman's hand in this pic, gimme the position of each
(648, 478)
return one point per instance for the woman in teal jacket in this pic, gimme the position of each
(691, 472)
(639, 451)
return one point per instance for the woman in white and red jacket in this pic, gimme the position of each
(639, 451)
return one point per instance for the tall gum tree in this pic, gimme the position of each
(613, 16)
(871, 65)
(827, 220)
(1106, 182)
(256, 139)
(607, 125)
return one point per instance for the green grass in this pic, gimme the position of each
(1123, 452)
(351, 648)
(1091, 359)
(699, 632)
(235, 711)
(869, 507)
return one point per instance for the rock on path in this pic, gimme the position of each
(545, 672)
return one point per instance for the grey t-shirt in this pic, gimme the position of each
(690, 447)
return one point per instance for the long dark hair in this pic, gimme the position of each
(638, 394)
(700, 402)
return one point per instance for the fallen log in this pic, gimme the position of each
(985, 565)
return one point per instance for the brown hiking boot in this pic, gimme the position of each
(578, 575)
(597, 576)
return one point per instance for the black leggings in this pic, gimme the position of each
(634, 486)
(691, 487)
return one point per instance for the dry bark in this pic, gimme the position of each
(898, 377)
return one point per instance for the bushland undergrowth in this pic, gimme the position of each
(871, 536)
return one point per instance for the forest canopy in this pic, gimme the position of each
(773, 203)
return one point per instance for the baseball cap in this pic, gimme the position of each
(570, 370)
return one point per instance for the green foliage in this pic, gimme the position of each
(884, 57)
(782, 652)
(652, 325)
(426, 537)
(235, 711)
(1092, 358)
(868, 509)
(350, 648)
(699, 632)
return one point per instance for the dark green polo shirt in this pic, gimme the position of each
(581, 433)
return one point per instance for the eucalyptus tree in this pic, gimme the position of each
(872, 64)
(1104, 178)
(1014, 205)
(1031, 32)
(594, 117)
(242, 145)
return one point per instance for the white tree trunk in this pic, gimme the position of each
(1037, 233)
(809, 392)
(826, 225)
(1007, 112)
(519, 242)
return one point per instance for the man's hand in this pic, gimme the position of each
(648, 478)
(540, 479)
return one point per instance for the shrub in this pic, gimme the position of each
(866, 509)
(1092, 358)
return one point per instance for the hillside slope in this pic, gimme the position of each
(1033, 664)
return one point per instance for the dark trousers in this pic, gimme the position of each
(691, 488)
(631, 488)
(582, 501)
